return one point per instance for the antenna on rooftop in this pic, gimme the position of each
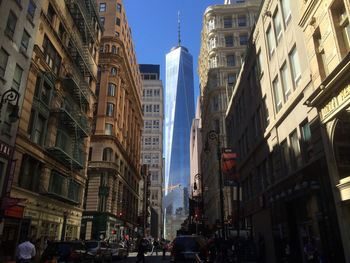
(178, 28)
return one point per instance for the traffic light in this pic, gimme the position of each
(114, 232)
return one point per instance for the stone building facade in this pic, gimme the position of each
(225, 33)
(327, 34)
(54, 127)
(111, 201)
(287, 198)
(152, 141)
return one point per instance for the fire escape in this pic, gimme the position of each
(74, 125)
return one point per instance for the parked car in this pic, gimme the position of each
(100, 250)
(189, 248)
(66, 252)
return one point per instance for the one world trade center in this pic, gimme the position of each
(179, 112)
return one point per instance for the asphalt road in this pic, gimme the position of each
(149, 259)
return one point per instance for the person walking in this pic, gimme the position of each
(141, 250)
(164, 247)
(155, 246)
(25, 251)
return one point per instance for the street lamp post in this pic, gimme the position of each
(213, 135)
(10, 96)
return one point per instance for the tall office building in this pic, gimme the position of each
(225, 34)
(179, 112)
(152, 141)
(111, 200)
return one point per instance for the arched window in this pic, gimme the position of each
(114, 71)
(106, 48)
(114, 50)
(107, 154)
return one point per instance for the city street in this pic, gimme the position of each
(149, 258)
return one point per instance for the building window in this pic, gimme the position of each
(342, 26)
(102, 20)
(110, 109)
(231, 79)
(37, 127)
(57, 184)
(286, 83)
(111, 89)
(285, 157)
(117, 21)
(52, 57)
(107, 154)
(114, 50)
(286, 11)
(270, 41)
(25, 41)
(114, 71)
(29, 177)
(231, 61)
(106, 48)
(229, 41)
(294, 61)
(243, 39)
(156, 92)
(156, 124)
(156, 108)
(74, 194)
(43, 90)
(306, 149)
(277, 93)
(119, 8)
(51, 14)
(148, 124)
(277, 25)
(31, 10)
(242, 20)
(155, 141)
(108, 129)
(11, 25)
(17, 77)
(154, 176)
(3, 62)
(295, 149)
(103, 7)
(228, 22)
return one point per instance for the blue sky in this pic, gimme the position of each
(154, 29)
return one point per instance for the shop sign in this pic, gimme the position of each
(336, 102)
(15, 211)
(88, 217)
(5, 149)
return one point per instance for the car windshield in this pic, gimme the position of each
(91, 244)
(188, 244)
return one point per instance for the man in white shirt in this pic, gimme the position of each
(25, 251)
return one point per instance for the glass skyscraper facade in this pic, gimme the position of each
(179, 112)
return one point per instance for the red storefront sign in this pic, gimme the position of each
(15, 211)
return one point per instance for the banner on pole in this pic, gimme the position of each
(229, 167)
